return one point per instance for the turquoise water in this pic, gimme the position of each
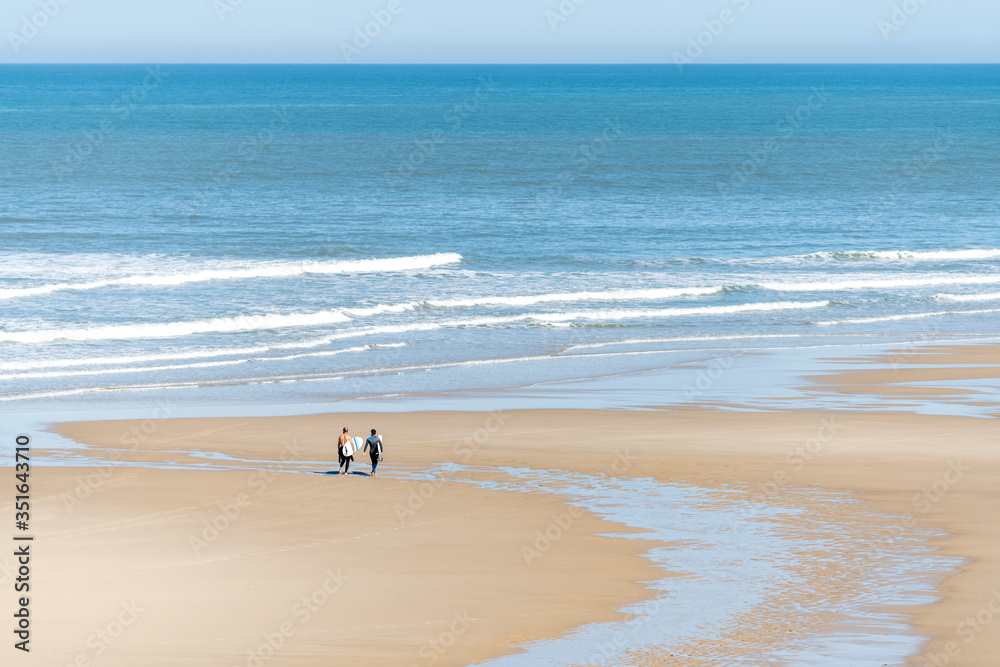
(225, 235)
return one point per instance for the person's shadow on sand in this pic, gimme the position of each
(336, 472)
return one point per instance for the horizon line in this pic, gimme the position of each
(516, 64)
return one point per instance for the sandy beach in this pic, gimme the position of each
(679, 325)
(261, 555)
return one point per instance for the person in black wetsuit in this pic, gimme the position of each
(373, 445)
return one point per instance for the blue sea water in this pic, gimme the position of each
(232, 235)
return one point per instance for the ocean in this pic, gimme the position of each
(306, 235)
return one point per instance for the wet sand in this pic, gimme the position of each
(910, 372)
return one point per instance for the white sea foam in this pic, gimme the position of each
(63, 393)
(380, 309)
(991, 296)
(36, 375)
(102, 389)
(235, 324)
(910, 316)
(242, 352)
(682, 339)
(175, 329)
(905, 255)
(557, 318)
(421, 326)
(648, 294)
(268, 322)
(325, 353)
(620, 314)
(267, 270)
(874, 256)
(210, 364)
(879, 283)
(130, 360)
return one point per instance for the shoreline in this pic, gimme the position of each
(724, 377)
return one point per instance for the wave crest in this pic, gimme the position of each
(991, 296)
(910, 316)
(276, 270)
(905, 255)
(884, 283)
(175, 329)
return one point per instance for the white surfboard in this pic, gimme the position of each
(353, 445)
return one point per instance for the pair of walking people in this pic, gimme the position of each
(373, 445)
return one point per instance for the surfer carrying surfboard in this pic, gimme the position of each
(345, 461)
(373, 445)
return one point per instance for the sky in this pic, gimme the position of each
(499, 31)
